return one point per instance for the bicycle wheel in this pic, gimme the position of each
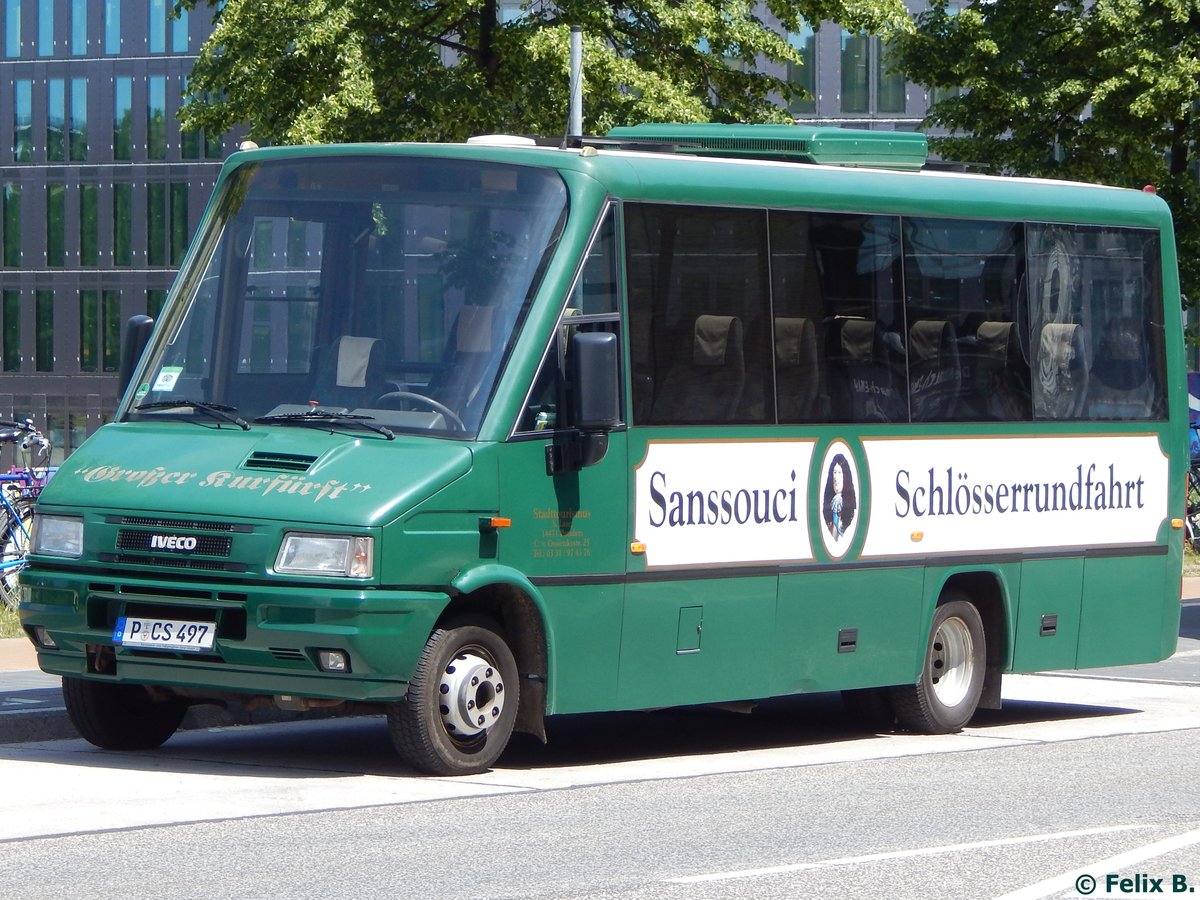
(1192, 510)
(14, 544)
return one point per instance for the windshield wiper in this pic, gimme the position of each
(320, 417)
(213, 410)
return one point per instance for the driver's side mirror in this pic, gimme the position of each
(133, 342)
(594, 380)
(593, 373)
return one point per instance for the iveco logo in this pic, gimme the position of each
(171, 542)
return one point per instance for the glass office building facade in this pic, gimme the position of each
(100, 192)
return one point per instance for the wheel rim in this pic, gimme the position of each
(952, 662)
(472, 694)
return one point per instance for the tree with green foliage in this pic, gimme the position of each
(305, 71)
(1103, 91)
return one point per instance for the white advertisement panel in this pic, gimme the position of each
(723, 502)
(978, 494)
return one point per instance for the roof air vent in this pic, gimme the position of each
(828, 146)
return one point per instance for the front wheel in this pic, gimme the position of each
(120, 716)
(461, 704)
(947, 694)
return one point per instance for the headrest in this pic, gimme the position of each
(1060, 346)
(858, 339)
(353, 356)
(992, 341)
(795, 342)
(715, 337)
(929, 339)
(474, 332)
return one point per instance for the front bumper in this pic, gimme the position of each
(267, 636)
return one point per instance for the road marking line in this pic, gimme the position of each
(901, 854)
(1100, 868)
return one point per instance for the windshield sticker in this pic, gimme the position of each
(264, 485)
(167, 376)
(724, 502)
(964, 495)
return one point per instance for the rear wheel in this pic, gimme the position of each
(947, 694)
(462, 701)
(120, 716)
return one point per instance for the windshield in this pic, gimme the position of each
(355, 289)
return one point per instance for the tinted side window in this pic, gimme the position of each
(968, 342)
(591, 306)
(866, 318)
(700, 333)
(1096, 323)
(839, 321)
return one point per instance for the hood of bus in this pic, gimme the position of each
(292, 474)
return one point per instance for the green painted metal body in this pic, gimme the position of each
(616, 635)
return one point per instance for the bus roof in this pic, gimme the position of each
(628, 169)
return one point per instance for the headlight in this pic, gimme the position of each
(323, 554)
(57, 535)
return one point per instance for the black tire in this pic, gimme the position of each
(947, 694)
(14, 544)
(462, 701)
(120, 716)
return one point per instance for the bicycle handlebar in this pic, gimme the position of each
(24, 432)
(34, 445)
(38, 440)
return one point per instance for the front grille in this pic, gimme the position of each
(206, 544)
(174, 562)
(287, 654)
(185, 524)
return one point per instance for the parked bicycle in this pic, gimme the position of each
(1191, 519)
(1192, 507)
(19, 490)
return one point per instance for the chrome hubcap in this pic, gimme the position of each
(472, 695)
(951, 666)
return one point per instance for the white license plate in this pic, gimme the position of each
(164, 634)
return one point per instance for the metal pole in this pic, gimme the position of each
(575, 120)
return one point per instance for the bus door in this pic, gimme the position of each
(699, 607)
(569, 530)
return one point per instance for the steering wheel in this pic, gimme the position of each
(447, 413)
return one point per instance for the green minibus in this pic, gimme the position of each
(476, 434)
